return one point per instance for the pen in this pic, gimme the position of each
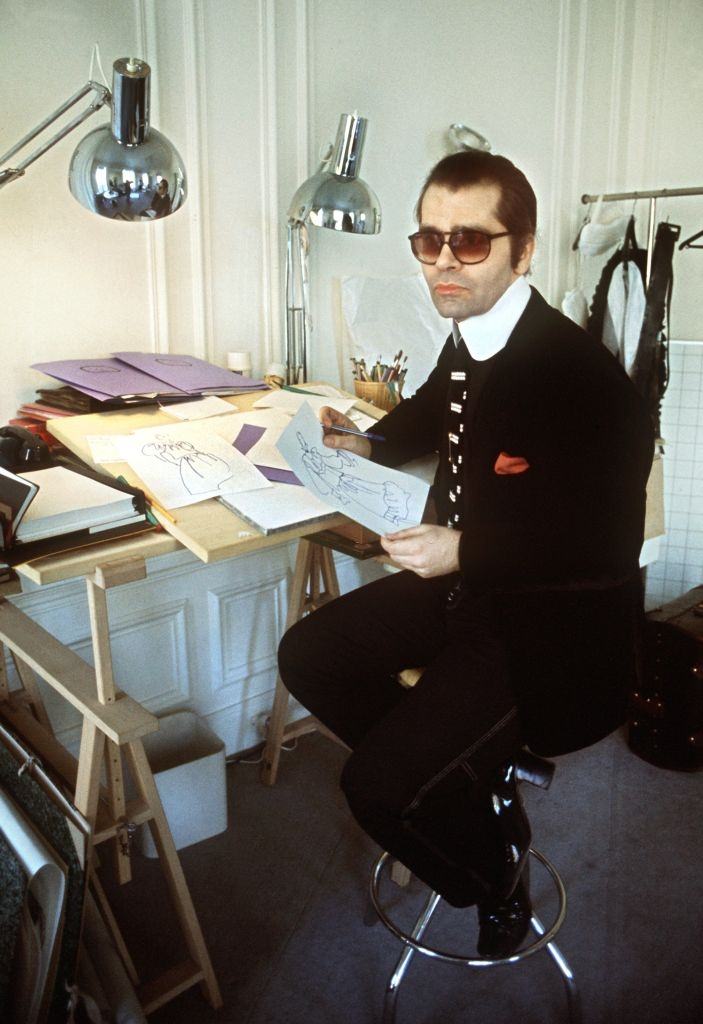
(358, 433)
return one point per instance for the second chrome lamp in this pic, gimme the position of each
(334, 197)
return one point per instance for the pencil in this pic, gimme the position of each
(160, 509)
(357, 433)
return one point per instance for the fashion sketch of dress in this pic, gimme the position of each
(333, 474)
(200, 471)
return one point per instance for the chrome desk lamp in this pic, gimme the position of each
(125, 170)
(334, 197)
(463, 137)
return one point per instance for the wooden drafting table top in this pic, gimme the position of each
(208, 529)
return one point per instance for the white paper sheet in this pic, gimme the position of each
(388, 314)
(291, 401)
(228, 427)
(103, 448)
(199, 409)
(280, 508)
(264, 452)
(187, 462)
(384, 500)
(361, 420)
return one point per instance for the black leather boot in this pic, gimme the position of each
(513, 828)
(504, 922)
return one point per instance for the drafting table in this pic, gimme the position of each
(114, 723)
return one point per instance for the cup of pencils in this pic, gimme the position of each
(380, 383)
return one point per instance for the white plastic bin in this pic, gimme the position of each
(188, 762)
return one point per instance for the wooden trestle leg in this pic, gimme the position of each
(314, 584)
(113, 723)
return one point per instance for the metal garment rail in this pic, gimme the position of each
(653, 195)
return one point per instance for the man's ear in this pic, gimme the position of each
(526, 255)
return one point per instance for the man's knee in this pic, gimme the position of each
(369, 785)
(294, 654)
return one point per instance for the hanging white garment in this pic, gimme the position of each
(624, 314)
(604, 229)
(575, 306)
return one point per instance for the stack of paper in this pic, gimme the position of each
(132, 376)
(66, 502)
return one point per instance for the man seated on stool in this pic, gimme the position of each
(523, 602)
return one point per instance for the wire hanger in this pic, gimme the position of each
(688, 243)
(586, 220)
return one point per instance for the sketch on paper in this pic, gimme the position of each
(187, 462)
(199, 470)
(333, 473)
(383, 499)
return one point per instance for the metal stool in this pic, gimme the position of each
(412, 942)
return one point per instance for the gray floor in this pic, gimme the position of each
(281, 898)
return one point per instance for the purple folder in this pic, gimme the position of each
(105, 378)
(195, 376)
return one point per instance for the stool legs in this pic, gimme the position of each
(572, 993)
(412, 943)
(391, 998)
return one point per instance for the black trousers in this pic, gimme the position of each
(421, 757)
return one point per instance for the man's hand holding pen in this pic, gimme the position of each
(354, 441)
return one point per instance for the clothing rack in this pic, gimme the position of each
(660, 193)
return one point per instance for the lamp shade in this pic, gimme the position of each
(336, 197)
(127, 170)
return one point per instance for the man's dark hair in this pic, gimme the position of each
(517, 205)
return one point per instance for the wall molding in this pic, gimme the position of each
(271, 228)
(569, 88)
(231, 665)
(198, 201)
(617, 136)
(147, 43)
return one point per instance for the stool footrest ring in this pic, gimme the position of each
(545, 936)
(412, 943)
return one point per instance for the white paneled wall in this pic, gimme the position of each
(680, 565)
(201, 636)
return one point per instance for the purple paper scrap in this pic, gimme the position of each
(279, 476)
(246, 439)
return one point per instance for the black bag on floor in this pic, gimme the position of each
(666, 713)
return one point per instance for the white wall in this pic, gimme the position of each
(585, 95)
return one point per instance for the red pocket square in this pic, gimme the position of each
(506, 464)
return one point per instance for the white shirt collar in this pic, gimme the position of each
(487, 334)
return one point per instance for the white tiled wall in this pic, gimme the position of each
(680, 564)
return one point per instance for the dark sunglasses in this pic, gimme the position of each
(468, 246)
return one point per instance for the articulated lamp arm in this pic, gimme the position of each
(101, 98)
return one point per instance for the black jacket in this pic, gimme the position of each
(557, 545)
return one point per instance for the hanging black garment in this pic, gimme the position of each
(629, 255)
(650, 373)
